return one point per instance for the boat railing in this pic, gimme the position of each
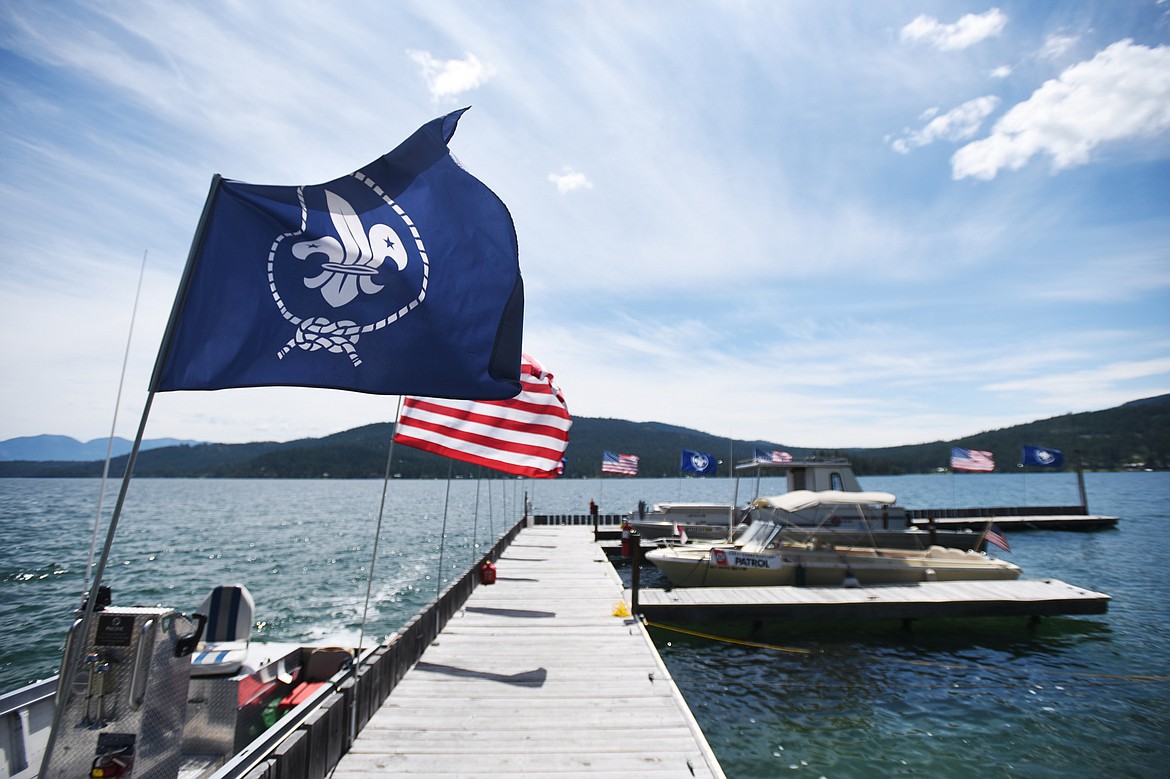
(21, 741)
(312, 738)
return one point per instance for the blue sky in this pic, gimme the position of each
(819, 223)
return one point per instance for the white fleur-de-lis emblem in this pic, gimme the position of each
(353, 258)
(351, 264)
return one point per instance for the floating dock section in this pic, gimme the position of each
(536, 676)
(1014, 518)
(926, 600)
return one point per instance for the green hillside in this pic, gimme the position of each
(1136, 434)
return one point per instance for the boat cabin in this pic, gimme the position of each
(815, 475)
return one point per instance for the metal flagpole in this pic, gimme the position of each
(67, 666)
(443, 535)
(97, 520)
(475, 520)
(735, 489)
(378, 528)
(1081, 482)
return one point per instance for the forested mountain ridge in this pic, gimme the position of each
(1135, 434)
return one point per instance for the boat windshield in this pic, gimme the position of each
(759, 533)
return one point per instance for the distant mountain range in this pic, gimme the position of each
(62, 447)
(1133, 435)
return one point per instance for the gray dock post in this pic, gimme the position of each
(635, 570)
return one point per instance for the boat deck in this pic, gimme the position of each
(536, 676)
(926, 600)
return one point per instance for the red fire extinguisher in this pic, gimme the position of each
(626, 546)
(487, 573)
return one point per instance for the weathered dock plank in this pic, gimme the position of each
(537, 677)
(924, 600)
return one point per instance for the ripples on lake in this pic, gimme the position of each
(1076, 696)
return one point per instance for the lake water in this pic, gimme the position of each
(1074, 696)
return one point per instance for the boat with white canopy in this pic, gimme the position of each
(788, 545)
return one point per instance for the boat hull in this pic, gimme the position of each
(891, 539)
(728, 567)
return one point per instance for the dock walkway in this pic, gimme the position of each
(537, 677)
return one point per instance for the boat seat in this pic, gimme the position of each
(322, 664)
(229, 610)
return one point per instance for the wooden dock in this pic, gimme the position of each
(1018, 522)
(926, 600)
(1014, 518)
(536, 676)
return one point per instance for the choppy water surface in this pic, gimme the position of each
(1073, 696)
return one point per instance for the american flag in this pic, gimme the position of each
(525, 435)
(774, 456)
(971, 460)
(993, 536)
(625, 464)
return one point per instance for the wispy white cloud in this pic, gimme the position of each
(1003, 71)
(1112, 277)
(758, 264)
(1122, 93)
(1110, 383)
(570, 180)
(451, 78)
(1056, 46)
(958, 124)
(969, 30)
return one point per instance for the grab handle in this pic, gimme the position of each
(141, 665)
(186, 645)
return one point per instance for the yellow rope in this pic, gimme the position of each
(727, 640)
(948, 666)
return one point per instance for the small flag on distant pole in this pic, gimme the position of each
(681, 532)
(526, 435)
(993, 535)
(773, 456)
(698, 462)
(971, 460)
(624, 464)
(1042, 457)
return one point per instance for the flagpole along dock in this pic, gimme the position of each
(536, 676)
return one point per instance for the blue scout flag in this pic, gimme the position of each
(400, 278)
(698, 462)
(1038, 455)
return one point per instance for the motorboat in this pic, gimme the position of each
(854, 519)
(779, 551)
(889, 526)
(723, 520)
(695, 520)
(150, 691)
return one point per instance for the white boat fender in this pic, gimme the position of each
(929, 575)
(850, 579)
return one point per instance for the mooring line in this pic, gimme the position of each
(725, 639)
(925, 663)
